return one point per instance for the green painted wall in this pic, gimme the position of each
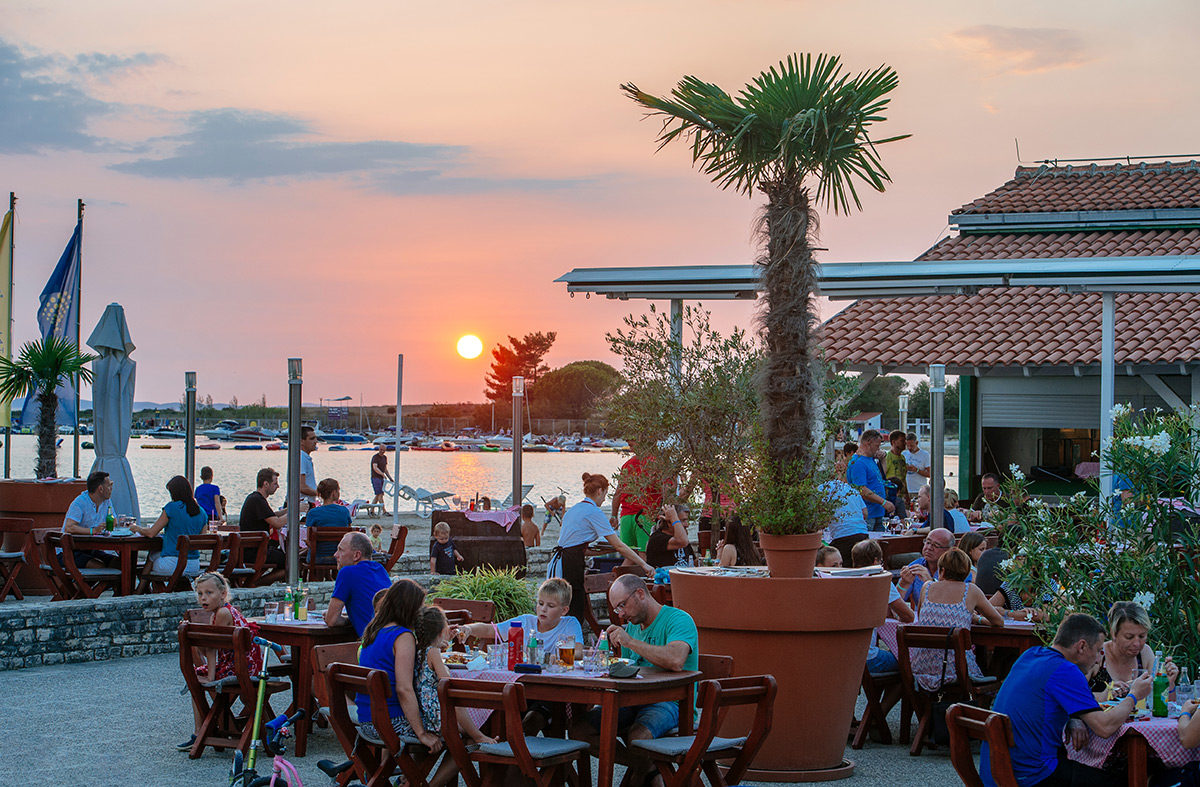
(968, 415)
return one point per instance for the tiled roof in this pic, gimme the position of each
(1017, 326)
(1116, 187)
(1135, 243)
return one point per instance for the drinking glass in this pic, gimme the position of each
(566, 652)
(591, 661)
(497, 657)
(271, 610)
(1183, 693)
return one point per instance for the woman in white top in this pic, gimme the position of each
(584, 523)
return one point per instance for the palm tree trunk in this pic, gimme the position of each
(788, 382)
(47, 432)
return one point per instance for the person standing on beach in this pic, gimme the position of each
(379, 471)
(308, 476)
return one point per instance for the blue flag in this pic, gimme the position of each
(57, 314)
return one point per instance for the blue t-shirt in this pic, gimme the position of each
(331, 515)
(310, 475)
(356, 586)
(547, 640)
(381, 655)
(179, 523)
(914, 592)
(861, 472)
(1040, 694)
(848, 518)
(206, 496)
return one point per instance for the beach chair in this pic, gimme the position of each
(428, 502)
(525, 490)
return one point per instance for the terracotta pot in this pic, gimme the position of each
(790, 556)
(812, 635)
(46, 504)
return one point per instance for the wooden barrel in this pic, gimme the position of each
(483, 543)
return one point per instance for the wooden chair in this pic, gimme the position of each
(241, 570)
(957, 641)
(12, 562)
(323, 656)
(874, 686)
(198, 615)
(715, 667)
(542, 761)
(373, 761)
(396, 549)
(50, 568)
(595, 583)
(151, 582)
(680, 759)
(76, 582)
(966, 722)
(318, 566)
(480, 611)
(221, 728)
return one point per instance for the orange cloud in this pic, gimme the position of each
(1022, 50)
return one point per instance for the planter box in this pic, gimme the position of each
(46, 504)
(812, 635)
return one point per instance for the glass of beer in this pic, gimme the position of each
(566, 652)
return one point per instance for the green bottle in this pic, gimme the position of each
(1160, 687)
(109, 521)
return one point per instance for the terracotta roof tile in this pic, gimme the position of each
(1116, 187)
(1126, 243)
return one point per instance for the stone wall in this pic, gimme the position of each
(37, 631)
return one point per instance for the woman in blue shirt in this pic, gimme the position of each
(183, 516)
(388, 644)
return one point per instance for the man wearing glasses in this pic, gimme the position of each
(924, 569)
(654, 635)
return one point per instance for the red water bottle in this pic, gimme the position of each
(516, 644)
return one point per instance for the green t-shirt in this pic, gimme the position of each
(670, 625)
(895, 466)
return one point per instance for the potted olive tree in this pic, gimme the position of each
(799, 133)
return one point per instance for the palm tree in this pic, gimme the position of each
(799, 124)
(40, 368)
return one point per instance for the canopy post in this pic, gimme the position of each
(295, 384)
(1108, 332)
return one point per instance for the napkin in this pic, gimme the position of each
(478, 663)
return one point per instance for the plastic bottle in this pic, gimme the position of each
(288, 609)
(605, 655)
(109, 521)
(1159, 692)
(516, 644)
(1183, 687)
(531, 651)
(302, 604)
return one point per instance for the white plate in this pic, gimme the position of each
(121, 532)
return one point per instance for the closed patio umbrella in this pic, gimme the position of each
(112, 405)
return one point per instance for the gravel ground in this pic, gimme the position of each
(116, 722)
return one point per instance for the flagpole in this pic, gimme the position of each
(78, 314)
(12, 230)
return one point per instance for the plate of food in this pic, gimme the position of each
(456, 659)
(121, 532)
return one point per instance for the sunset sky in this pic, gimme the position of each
(345, 182)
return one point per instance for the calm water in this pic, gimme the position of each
(462, 472)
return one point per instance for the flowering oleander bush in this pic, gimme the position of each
(1144, 548)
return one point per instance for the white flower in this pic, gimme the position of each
(1005, 564)
(1119, 410)
(1016, 472)
(1037, 502)
(1159, 443)
(1079, 497)
(1145, 599)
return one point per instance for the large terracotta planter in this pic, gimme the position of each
(46, 504)
(812, 635)
(790, 557)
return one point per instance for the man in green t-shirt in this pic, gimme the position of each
(654, 635)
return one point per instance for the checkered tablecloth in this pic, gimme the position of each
(887, 632)
(1161, 734)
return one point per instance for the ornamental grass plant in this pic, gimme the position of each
(1143, 545)
(512, 595)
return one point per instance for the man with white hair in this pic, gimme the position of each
(359, 578)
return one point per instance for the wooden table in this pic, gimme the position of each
(611, 694)
(127, 548)
(302, 638)
(1135, 739)
(1014, 634)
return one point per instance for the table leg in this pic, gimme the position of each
(1136, 754)
(302, 696)
(608, 739)
(127, 563)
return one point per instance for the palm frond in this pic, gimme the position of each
(42, 366)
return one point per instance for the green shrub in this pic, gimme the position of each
(512, 595)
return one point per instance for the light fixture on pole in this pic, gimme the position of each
(903, 412)
(937, 439)
(295, 384)
(518, 391)
(189, 442)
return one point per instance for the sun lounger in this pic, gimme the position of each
(428, 502)
(525, 490)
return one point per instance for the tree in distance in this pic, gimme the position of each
(522, 358)
(574, 390)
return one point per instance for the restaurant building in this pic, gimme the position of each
(1029, 357)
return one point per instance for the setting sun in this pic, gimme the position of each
(469, 346)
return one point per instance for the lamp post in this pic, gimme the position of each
(904, 413)
(518, 391)
(295, 383)
(937, 482)
(399, 429)
(189, 442)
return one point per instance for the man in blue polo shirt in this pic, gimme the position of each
(358, 580)
(863, 474)
(1046, 689)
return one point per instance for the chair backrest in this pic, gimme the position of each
(252, 541)
(72, 575)
(197, 615)
(64, 587)
(480, 611)
(200, 543)
(715, 667)
(320, 541)
(966, 722)
(346, 680)
(714, 697)
(203, 637)
(11, 524)
(954, 641)
(396, 548)
(506, 698)
(323, 657)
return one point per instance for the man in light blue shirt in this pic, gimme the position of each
(86, 516)
(308, 476)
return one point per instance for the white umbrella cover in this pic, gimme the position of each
(112, 405)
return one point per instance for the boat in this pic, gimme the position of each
(491, 449)
(273, 446)
(535, 449)
(340, 436)
(223, 430)
(254, 434)
(444, 445)
(245, 447)
(154, 445)
(208, 447)
(87, 444)
(337, 447)
(163, 433)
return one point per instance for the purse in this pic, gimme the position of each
(941, 730)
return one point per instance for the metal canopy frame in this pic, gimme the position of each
(919, 278)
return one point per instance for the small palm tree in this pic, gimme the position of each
(40, 368)
(802, 123)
